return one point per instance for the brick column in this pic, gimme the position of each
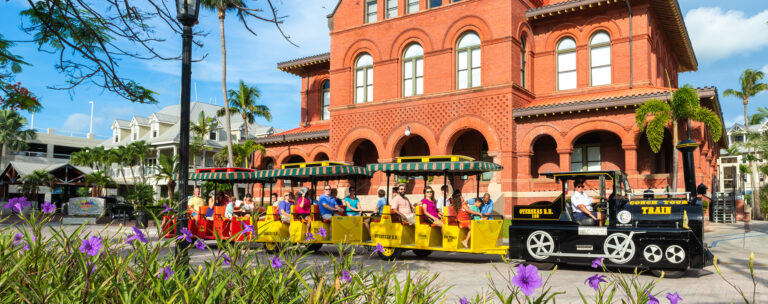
(630, 159)
(524, 165)
(565, 158)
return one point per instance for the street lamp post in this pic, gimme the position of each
(187, 11)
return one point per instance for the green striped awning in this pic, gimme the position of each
(222, 176)
(316, 173)
(432, 168)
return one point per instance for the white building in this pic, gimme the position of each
(731, 177)
(161, 131)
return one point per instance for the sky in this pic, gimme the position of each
(727, 36)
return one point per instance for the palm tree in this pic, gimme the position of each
(123, 157)
(81, 158)
(750, 86)
(140, 150)
(167, 167)
(221, 7)
(201, 129)
(98, 180)
(243, 101)
(684, 105)
(33, 181)
(11, 134)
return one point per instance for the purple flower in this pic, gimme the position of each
(13, 205)
(226, 259)
(167, 209)
(597, 263)
(651, 298)
(310, 236)
(463, 300)
(200, 245)
(321, 232)
(594, 281)
(247, 228)
(137, 236)
(91, 246)
(673, 298)
(379, 248)
(527, 278)
(167, 271)
(48, 207)
(275, 262)
(17, 237)
(22, 201)
(345, 276)
(186, 234)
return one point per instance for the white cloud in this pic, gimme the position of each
(717, 34)
(76, 122)
(765, 69)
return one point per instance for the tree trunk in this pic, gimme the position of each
(230, 158)
(171, 186)
(756, 210)
(673, 174)
(122, 173)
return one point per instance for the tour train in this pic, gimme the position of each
(654, 232)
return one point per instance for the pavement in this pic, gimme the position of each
(471, 274)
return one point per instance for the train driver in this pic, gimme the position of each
(582, 205)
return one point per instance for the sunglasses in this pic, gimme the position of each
(328, 189)
(428, 191)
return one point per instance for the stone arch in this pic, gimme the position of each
(461, 26)
(524, 30)
(287, 153)
(601, 23)
(353, 138)
(451, 132)
(608, 156)
(531, 136)
(361, 46)
(598, 125)
(266, 163)
(405, 38)
(319, 150)
(397, 138)
(560, 32)
(365, 152)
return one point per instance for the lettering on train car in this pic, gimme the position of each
(657, 210)
(449, 238)
(659, 202)
(534, 213)
(385, 236)
(422, 235)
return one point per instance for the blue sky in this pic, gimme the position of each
(728, 37)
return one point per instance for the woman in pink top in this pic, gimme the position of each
(430, 208)
(304, 206)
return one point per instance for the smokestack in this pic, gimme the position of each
(687, 147)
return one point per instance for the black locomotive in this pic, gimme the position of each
(649, 231)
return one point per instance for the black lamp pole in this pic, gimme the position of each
(187, 14)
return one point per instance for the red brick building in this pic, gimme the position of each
(533, 85)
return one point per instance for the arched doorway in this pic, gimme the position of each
(321, 157)
(545, 157)
(414, 146)
(598, 150)
(365, 153)
(292, 159)
(471, 143)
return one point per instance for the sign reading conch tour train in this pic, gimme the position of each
(90, 206)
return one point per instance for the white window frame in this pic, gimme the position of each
(594, 49)
(413, 65)
(366, 83)
(411, 6)
(371, 15)
(155, 129)
(325, 97)
(391, 8)
(562, 54)
(135, 132)
(116, 135)
(589, 161)
(468, 53)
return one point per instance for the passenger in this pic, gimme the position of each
(430, 210)
(352, 203)
(402, 206)
(229, 211)
(304, 206)
(216, 199)
(582, 205)
(339, 202)
(273, 199)
(379, 208)
(248, 205)
(327, 204)
(442, 201)
(284, 207)
(461, 208)
(487, 208)
(475, 206)
(195, 202)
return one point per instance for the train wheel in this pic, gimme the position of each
(675, 254)
(422, 253)
(390, 253)
(619, 247)
(652, 253)
(672, 274)
(314, 247)
(539, 244)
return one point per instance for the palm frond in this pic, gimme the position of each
(651, 107)
(711, 120)
(732, 92)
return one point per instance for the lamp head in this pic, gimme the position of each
(187, 11)
(408, 131)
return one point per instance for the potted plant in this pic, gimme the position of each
(141, 196)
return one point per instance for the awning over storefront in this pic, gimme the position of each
(432, 168)
(65, 174)
(315, 173)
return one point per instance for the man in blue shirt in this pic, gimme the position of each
(487, 207)
(327, 204)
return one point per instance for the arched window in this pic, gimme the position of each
(468, 61)
(523, 54)
(364, 79)
(324, 113)
(566, 64)
(600, 59)
(413, 70)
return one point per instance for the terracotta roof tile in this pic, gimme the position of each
(573, 99)
(298, 134)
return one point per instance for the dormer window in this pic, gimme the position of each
(135, 132)
(155, 129)
(212, 135)
(115, 135)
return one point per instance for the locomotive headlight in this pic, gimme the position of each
(624, 216)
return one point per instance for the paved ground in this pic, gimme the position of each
(470, 274)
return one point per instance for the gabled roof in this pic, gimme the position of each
(165, 118)
(142, 121)
(669, 16)
(123, 124)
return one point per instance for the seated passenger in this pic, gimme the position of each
(402, 206)
(487, 207)
(327, 204)
(229, 212)
(379, 207)
(461, 208)
(582, 205)
(248, 205)
(475, 206)
(284, 207)
(273, 199)
(430, 209)
(194, 203)
(352, 203)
